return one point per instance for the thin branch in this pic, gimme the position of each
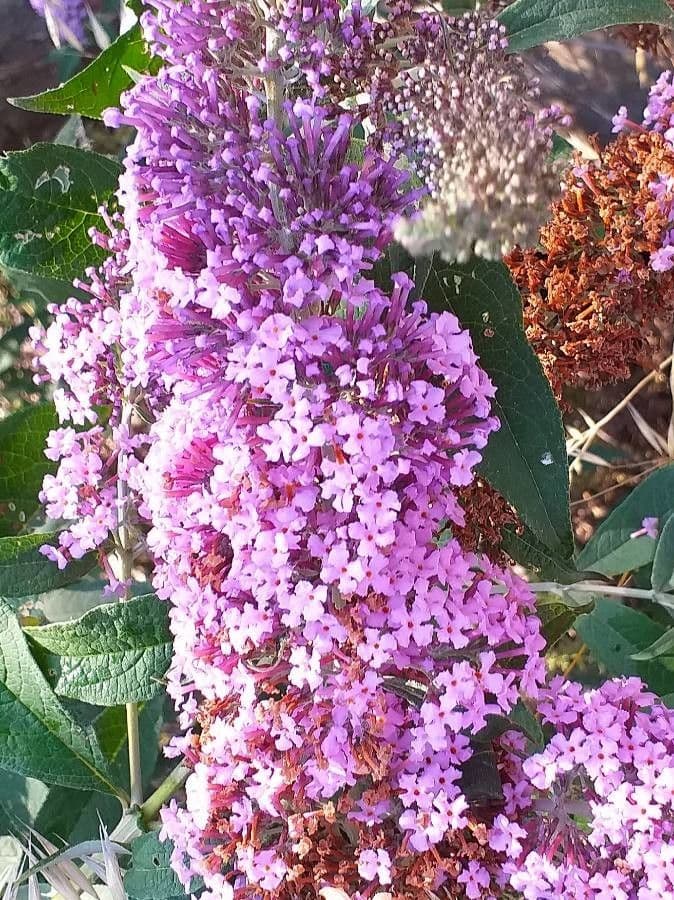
(609, 590)
(133, 738)
(273, 86)
(586, 439)
(577, 657)
(670, 432)
(167, 789)
(617, 487)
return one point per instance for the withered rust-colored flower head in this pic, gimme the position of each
(655, 39)
(489, 513)
(590, 292)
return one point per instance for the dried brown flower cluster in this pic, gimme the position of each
(489, 514)
(655, 39)
(590, 295)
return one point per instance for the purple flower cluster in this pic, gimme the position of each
(595, 807)
(78, 354)
(289, 439)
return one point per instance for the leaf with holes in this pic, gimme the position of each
(101, 84)
(612, 550)
(526, 459)
(533, 22)
(25, 571)
(150, 876)
(38, 737)
(23, 464)
(113, 654)
(397, 259)
(616, 635)
(49, 200)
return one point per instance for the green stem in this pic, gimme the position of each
(167, 789)
(611, 590)
(133, 738)
(126, 558)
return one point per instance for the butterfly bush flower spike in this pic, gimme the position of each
(289, 437)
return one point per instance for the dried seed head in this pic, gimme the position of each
(483, 153)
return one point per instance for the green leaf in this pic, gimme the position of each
(72, 134)
(397, 259)
(100, 84)
(519, 719)
(39, 290)
(559, 614)
(662, 576)
(23, 464)
(663, 646)
(480, 777)
(49, 199)
(38, 737)
(21, 799)
(533, 22)
(561, 148)
(150, 876)
(117, 653)
(616, 634)
(526, 459)
(611, 550)
(527, 550)
(25, 571)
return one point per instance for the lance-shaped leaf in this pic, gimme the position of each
(39, 290)
(533, 22)
(612, 550)
(100, 84)
(114, 654)
(617, 635)
(525, 548)
(662, 577)
(526, 459)
(23, 464)
(25, 571)
(38, 737)
(50, 198)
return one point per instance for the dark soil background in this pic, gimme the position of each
(26, 67)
